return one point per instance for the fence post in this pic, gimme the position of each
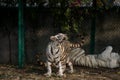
(93, 29)
(20, 35)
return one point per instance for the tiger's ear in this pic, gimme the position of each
(65, 37)
(53, 38)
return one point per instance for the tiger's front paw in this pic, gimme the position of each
(61, 75)
(47, 74)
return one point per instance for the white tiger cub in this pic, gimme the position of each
(57, 53)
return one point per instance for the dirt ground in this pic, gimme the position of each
(30, 72)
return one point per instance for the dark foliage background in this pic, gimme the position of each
(42, 22)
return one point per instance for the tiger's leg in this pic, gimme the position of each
(69, 63)
(62, 68)
(71, 67)
(49, 70)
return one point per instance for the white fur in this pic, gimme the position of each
(106, 59)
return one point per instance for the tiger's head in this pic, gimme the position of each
(59, 37)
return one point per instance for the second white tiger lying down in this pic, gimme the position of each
(107, 58)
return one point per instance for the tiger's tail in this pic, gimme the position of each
(78, 44)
